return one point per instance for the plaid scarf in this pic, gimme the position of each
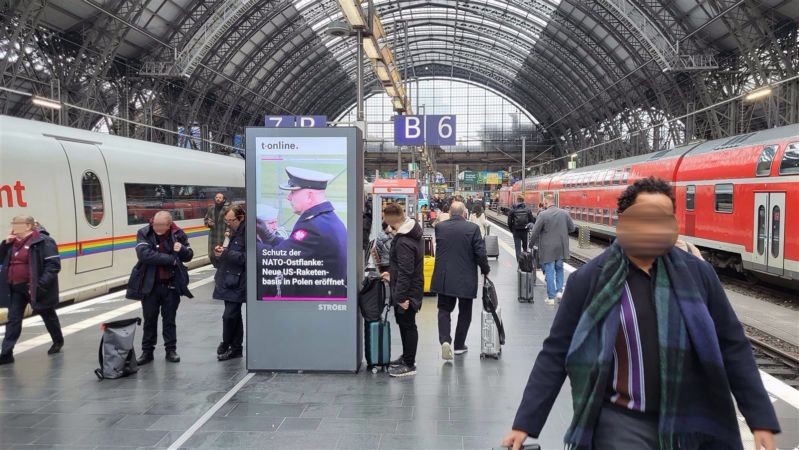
(683, 418)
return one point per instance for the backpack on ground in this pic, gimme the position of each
(521, 218)
(372, 297)
(377, 331)
(117, 356)
(492, 332)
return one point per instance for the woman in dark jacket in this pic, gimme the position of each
(231, 284)
(29, 274)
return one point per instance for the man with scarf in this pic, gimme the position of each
(214, 220)
(651, 346)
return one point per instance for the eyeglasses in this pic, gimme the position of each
(235, 219)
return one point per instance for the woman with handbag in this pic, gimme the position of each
(231, 284)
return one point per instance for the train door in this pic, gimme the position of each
(769, 231)
(93, 212)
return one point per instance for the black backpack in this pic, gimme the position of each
(521, 217)
(372, 297)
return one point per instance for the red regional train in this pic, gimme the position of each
(737, 198)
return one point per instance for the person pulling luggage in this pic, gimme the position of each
(406, 281)
(519, 218)
(553, 226)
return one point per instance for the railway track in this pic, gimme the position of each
(778, 358)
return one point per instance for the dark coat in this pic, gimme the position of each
(45, 263)
(230, 281)
(318, 234)
(142, 277)
(460, 249)
(530, 216)
(549, 371)
(406, 265)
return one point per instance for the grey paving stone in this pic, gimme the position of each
(359, 441)
(267, 410)
(243, 423)
(286, 441)
(172, 422)
(299, 424)
(357, 426)
(20, 420)
(13, 435)
(120, 437)
(80, 421)
(402, 442)
(321, 411)
(237, 439)
(198, 440)
(137, 421)
(375, 412)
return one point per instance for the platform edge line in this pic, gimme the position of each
(210, 413)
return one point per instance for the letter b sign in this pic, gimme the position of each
(415, 130)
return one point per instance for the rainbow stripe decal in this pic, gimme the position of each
(94, 246)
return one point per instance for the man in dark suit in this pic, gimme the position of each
(318, 234)
(460, 250)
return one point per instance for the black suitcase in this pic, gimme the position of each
(492, 246)
(526, 285)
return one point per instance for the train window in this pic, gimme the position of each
(724, 198)
(761, 230)
(185, 202)
(591, 214)
(775, 231)
(606, 216)
(626, 176)
(614, 218)
(617, 177)
(690, 197)
(92, 198)
(766, 158)
(790, 160)
(608, 178)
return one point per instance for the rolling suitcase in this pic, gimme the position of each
(492, 332)
(492, 246)
(526, 285)
(374, 304)
(429, 266)
(490, 346)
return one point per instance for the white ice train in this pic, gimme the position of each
(93, 192)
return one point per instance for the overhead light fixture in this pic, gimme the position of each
(377, 27)
(758, 93)
(353, 12)
(370, 48)
(574, 155)
(45, 102)
(388, 56)
(383, 73)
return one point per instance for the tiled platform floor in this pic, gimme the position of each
(56, 401)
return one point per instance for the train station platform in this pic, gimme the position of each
(56, 401)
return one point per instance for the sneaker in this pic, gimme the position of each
(222, 348)
(397, 362)
(460, 351)
(559, 295)
(446, 351)
(550, 301)
(402, 371)
(230, 354)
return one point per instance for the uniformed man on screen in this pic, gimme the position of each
(319, 238)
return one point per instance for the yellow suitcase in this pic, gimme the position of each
(429, 265)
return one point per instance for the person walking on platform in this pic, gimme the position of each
(552, 226)
(518, 220)
(159, 279)
(479, 218)
(29, 274)
(469, 206)
(406, 281)
(230, 284)
(443, 215)
(460, 250)
(216, 225)
(651, 345)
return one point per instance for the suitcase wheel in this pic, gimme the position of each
(375, 370)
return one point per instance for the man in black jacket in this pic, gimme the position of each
(406, 279)
(29, 266)
(518, 220)
(159, 279)
(231, 284)
(460, 250)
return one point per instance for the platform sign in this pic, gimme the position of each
(304, 263)
(416, 130)
(295, 121)
(440, 130)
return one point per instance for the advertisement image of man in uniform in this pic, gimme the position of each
(318, 234)
(214, 220)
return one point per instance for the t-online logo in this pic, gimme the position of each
(7, 196)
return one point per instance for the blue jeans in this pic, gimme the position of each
(553, 272)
